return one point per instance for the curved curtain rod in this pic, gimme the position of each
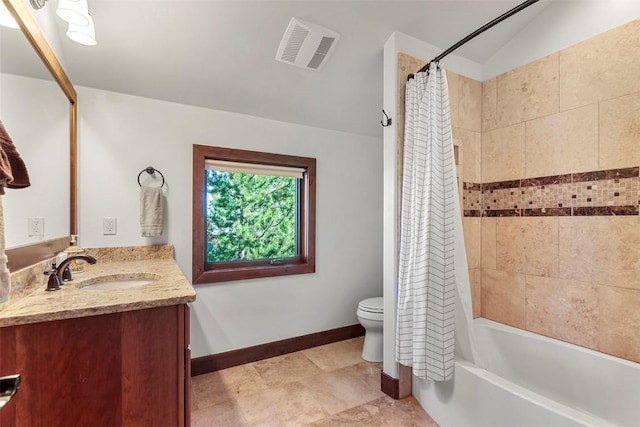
(477, 32)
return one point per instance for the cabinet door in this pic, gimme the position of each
(70, 372)
(186, 367)
(108, 370)
(149, 359)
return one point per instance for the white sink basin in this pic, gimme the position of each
(117, 282)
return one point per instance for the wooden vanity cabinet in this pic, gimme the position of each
(129, 368)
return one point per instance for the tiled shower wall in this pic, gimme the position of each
(551, 191)
(558, 200)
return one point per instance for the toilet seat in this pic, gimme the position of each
(371, 305)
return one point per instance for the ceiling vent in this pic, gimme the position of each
(306, 45)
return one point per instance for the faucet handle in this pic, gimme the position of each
(53, 269)
(53, 284)
(66, 274)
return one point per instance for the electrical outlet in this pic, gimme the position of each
(109, 225)
(36, 227)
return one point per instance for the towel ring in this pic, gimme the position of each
(150, 170)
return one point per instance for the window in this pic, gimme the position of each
(253, 214)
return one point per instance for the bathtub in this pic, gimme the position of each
(528, 380)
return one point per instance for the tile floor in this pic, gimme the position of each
(328, 385)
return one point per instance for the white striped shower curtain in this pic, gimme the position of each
(426, 273)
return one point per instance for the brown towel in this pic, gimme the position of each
(13, 172)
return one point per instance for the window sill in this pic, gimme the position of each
(240, 273)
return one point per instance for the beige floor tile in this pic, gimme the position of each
(228, 384)
(284, 405)
(225, 414)
(293, 390)
(382, 412)
(345, 388)
(287, 368)
(336, 355)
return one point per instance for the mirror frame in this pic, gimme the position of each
(31, 254)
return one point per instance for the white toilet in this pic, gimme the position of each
(370, 317)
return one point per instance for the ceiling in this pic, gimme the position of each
(220, 54)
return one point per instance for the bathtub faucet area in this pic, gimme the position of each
(56, 273)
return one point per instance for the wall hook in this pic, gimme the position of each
(387, 120)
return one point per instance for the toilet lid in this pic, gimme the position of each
(372, 305)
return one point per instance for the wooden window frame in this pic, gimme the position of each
(204, 272)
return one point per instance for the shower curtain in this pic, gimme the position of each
(426, 270)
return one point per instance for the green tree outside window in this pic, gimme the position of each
(250, 217)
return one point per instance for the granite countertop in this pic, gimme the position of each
(169, 287)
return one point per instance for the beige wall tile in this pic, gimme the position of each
(488, 243)
(528, 92)
(471, 152)
(471, 228)
(503, 153)
(527, 245)
(563, 143)
(470, 104)
(601, 249)
(541, 246)
(602, 67)
(510, 244)
(454, 103)
(476, 291)
(563, 309)
(503, 297)
(489, 105)
(620, 131)
(619, 322)
(458, 154)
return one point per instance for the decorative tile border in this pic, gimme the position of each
(607, 192)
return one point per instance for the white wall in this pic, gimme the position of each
(560, 25)
(35, 113)
(119, 135)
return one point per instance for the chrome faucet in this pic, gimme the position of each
(57, 274)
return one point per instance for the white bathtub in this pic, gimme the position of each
(533, 381)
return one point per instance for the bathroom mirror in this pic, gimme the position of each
(38, 109)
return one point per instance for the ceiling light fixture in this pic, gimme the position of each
(83, 34)
(74, 12)
(6, 19)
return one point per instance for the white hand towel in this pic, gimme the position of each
(151, 211)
